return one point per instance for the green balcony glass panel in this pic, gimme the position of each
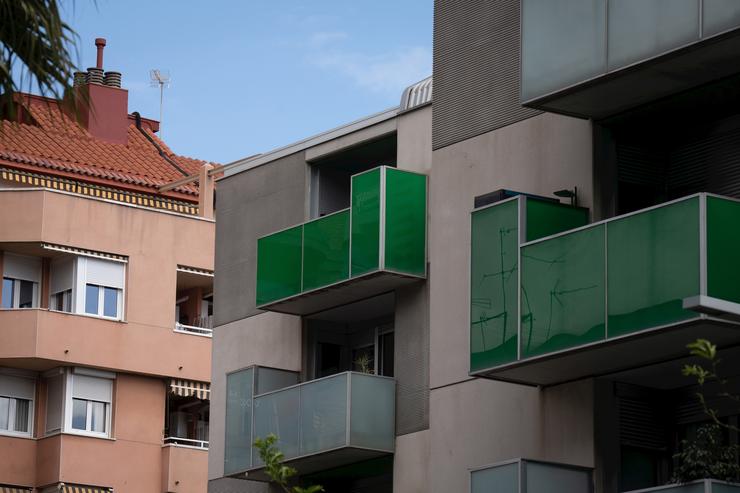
(405, 221)
(323, 414)
(493, 285)
(365, 234)
(563, 292)
(326, 250)
(238, 434)
(548, 218)
(498, 479)
(653, 264)
(279, 265)
(275, 413)
(723, 249)
(372, 412)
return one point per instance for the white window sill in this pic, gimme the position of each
(89, 315)
(15, 434)
(80, 434)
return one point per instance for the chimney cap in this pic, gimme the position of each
(99, 41)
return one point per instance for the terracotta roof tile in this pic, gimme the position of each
(57, 143)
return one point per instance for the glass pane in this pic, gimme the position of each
(79, 414)
(720, 15)
(237, 452)
(493, 285)
(25, 299)
(4, 411)
(98, 417)
(110, 302)
(326, 251)
(639, 29)
(386, 356)
(277, 413)
(405, 221)
(372, 412)
(269, 379)
(563, 292)
(7, 293)
(548, 218)
(22, 410)
(91, 299)
(324, 414)
(499, 479)
(365, 233)
(723, 245)
(563, 43)
(279, 261)
(556, 479)
(653, 261)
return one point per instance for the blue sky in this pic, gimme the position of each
(249, 76)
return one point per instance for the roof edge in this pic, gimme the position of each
(245, 164)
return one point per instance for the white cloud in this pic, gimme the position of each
(386, 73)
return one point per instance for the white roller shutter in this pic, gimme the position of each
(104, 272)
(20, 387)
(62, 275)
(21, 267)
(92, 388)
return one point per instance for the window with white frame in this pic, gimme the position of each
(21, 277)
(88, 402)
(16, 404)
(99, 287)
(61, 283)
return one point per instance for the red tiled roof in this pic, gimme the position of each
(55, 144)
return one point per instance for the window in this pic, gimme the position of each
(21, 276)
(16, 404)
(100, 290)
(62, 301)
(88, 402)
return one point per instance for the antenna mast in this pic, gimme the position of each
(160, 79)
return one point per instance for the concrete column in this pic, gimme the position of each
(205, 195)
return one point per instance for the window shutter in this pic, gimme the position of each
(21, 267)
(92, 388)
(104, 273)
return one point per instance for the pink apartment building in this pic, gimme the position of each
(106, 254)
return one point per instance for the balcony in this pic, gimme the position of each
(606, 297)
(701, 486)
(326, 423)
(527, 476)
(596, 59)
(374, 246)
(184, 467)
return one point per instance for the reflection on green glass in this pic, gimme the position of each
(365, 207)
(405, 221)
(546, 218)
(326, 250)
(493, 285)
(653, 264)
(497, 479)
(723, 249)
(238, 443)
(279, 265)
(563, 292)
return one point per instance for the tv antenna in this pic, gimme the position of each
(160, 79)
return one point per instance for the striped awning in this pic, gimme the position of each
(190, 388)
(13, 489)
(75, 488)
(195, 270)
(84, 252)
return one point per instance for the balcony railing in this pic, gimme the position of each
(527, 476)
(187, 442)
(328, 422)
(375, 245)
(701, 486)
(203, 327)
(571, 305)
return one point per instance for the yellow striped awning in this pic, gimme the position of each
(76, 488)
(190, 388)
(13, 489)
(84, 252)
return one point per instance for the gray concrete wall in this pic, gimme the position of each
(267, 339)
(251, 204)
(411, 463)
(475, 422)
(414, 151)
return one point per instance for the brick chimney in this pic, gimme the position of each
(102, 106)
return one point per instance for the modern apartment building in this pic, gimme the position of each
(106, 253)
(493, 292)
